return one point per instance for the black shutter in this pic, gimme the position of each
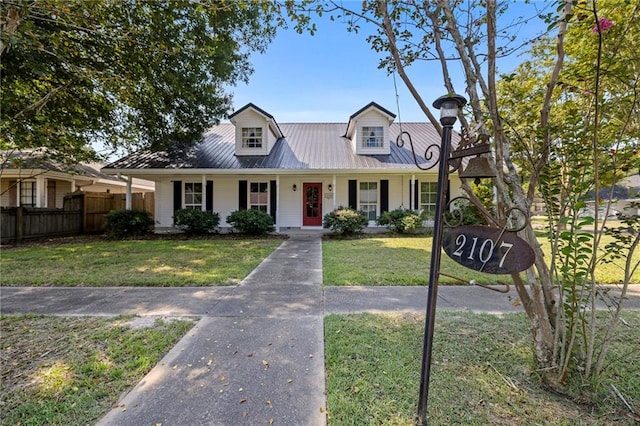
(273, 200)
(416, 195)
(353, 194)
(209, 196)
(384, 196)
(177, 195)
(242, 195)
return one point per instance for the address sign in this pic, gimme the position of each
(487, 249)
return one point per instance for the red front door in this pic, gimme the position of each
(312, 204)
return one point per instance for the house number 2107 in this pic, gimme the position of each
(487, 249)
(483, 251)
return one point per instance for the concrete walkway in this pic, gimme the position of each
(256, 356)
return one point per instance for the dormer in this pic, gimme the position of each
(256, 130)
(368, 130)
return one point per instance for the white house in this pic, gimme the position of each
(296, 172)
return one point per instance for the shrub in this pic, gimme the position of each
(128, 223)
(251, 221)
(345, 220)
(196, 222)
(401, 220)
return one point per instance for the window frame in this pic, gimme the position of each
(185, 193)
(259, 205)
(251, 137)
(372, 133)
(431, 193)
(365, 205)
(24, 184)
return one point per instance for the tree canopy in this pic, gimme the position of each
(126, 73)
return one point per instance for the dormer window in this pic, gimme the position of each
(372, 137)
(252, 137)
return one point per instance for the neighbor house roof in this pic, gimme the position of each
(307, 146)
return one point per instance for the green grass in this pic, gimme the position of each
(70, 371)
(195, 262)
(389, 260)
(481, 373)
(395, 260)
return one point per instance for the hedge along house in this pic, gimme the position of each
(296, 172)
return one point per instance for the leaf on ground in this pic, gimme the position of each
(243, 400)
(265, 363)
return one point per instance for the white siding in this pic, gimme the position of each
(163, 207)
(5, 201)
(225, 194)
(371, 119)
(250, 118)
(63, 187)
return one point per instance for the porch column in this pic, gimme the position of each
(333, 193)
(278, 203)
(40, 191)
(128, 195)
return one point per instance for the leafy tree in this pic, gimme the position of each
(589, 142)
(538, 132)
(126, 73)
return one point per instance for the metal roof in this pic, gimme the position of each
(307, 146)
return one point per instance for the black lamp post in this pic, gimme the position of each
(448, 106)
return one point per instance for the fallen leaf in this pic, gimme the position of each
(210, 362)
(322, 410)
(310, 355)
(289, 380)
(356, 389)
(268, 402)
(243, 400)
(265, 363)
(270, 421)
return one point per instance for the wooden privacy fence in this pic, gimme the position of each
(95, 205)
(83, 212)
(18, 223)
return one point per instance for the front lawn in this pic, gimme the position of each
(397, 260)
(70, 371)
(481, 373)
(197, 262)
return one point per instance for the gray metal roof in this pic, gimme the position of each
(307, 146)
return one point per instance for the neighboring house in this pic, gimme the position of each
(28, 180)
(295, 172)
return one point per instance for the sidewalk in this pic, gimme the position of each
(257, 354)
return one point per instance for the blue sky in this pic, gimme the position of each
(329, 76)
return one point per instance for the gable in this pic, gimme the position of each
(368, 130)
(256, 131)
